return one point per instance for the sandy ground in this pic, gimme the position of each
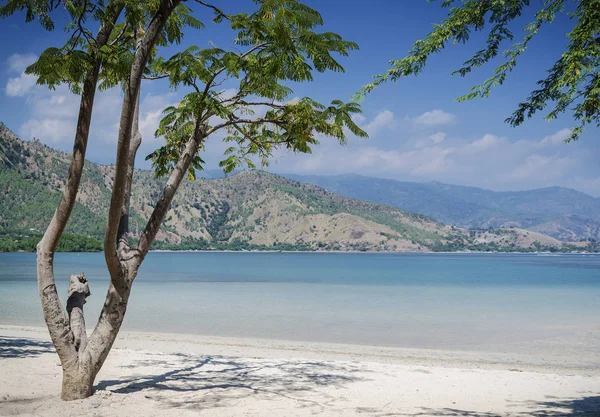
(177, 375)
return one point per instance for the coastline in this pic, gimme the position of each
(288, 349)
(421, 252)
(159, 374)
(466, 252)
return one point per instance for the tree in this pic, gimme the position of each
(275, 46)
(573, 82)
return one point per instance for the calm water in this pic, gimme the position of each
(455, 301)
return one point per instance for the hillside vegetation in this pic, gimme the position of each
(249, 210)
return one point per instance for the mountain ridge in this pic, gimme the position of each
(560, 212)
(249, 210)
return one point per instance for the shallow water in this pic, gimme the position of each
(448, 301)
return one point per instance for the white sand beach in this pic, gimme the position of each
(150, 374)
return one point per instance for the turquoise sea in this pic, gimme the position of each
(447, 301)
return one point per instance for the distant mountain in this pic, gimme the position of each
(248, 210)
(562, 213)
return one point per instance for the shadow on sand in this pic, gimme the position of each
(214, 381)
(553, 407)
(12, 347)
(199, 383)
(208, 382)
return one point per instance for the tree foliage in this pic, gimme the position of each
(572, 84)
(279, 46)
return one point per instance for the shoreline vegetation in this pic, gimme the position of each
(78, 243)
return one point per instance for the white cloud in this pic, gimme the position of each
(54, 112)
(383, 120)
(358, 118)
(432, 160)
(557, 138)
(60, 103)
(434, 139)
(51, 131)
(54, 117)
(18, 62)
(486, 142)
(23, 83)
(149, 121)
(541, 167)
(435, 118)
(489, 161)
(438, 137)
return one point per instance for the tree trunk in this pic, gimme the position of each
(106, 331)
(76, 384)
(81, 358)
(128, 112)
(57, 319)
(80, 373)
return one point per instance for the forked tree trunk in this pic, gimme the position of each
(81, 358)
(81, 368)
(79, 376)
(57, 320)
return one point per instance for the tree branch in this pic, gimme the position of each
(79, 290)
(264, 103)
(136, 140)
(243, 121)
(217, 11)
(157, 77)
(168, 192)
(210, 82)
(141, 57)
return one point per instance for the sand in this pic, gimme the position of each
(180, 375)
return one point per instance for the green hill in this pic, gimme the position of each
(249, 210)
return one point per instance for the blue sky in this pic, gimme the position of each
(417, 130)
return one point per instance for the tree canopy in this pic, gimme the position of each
(243, 90)
(572, 84)
(280, 46)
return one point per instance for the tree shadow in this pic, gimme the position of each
(554, 407)
(586, 406)
(215, 381)
(12, 347)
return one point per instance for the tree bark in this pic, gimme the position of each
(55, 317)
(79, 290)
(136, 140)
(142, 54)
(76, 384)
(169, 190)
(81, 358)
(115, 305)
(122, 269)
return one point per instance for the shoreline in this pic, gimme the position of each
(159, 374)
(289, 349)
(467, 252)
